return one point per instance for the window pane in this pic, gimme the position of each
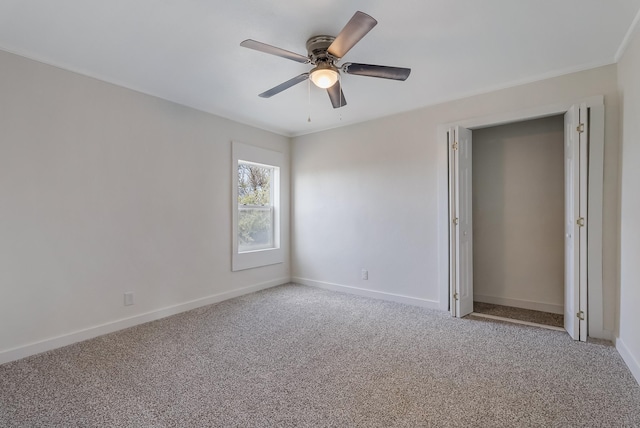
(255, 228)
(254, 185)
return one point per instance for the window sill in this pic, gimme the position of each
(257, 258)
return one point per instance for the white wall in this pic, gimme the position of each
(105, 190)
(518, 214)
(629, 340)
(367, 195)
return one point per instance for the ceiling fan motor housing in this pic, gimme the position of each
(317, 48)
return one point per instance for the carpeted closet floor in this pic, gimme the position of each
(538, 317)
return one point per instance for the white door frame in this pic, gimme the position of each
(596, 166)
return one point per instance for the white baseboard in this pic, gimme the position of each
(399, 298)
(110, 327)
(629, 359)
(517, 303)
(602, 334)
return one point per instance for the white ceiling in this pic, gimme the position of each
(188, 51)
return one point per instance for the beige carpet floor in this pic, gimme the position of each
(538, 317)
(296, 356)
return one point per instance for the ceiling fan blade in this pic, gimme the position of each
(263, 47)
(359, 25)
(286, 85)
(394, 73)
(336, 95)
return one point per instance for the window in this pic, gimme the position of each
(256, 207)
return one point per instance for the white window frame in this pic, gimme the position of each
(261, 157)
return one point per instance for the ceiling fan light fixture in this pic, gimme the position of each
(324, 76)
(323, 52)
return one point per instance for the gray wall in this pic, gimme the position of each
(629, 340)
(105, 190)
(518, 214)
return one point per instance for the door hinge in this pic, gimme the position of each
(455, 220)
(580, 222)
(580, 315)
(580, 128)
(455, 295)
(454, 146)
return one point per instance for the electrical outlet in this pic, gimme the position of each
(364, 274)
(128, 298)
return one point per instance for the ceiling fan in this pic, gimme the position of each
(324, 52)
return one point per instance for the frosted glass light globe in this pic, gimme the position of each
(324, 77)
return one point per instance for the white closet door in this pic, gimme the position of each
(461, 235)
(583, 215)
(453, 230)
(575, 156)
